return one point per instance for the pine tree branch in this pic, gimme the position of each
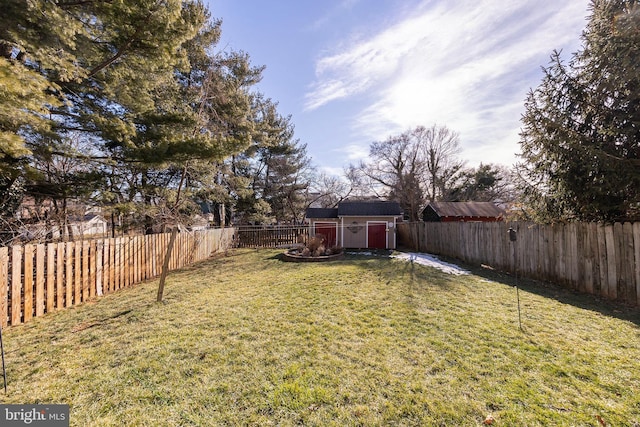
(79, 3)
(121, 51)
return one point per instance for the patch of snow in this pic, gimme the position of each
(363, 253)
(431, 261)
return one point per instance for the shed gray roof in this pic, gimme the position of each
(322, 213)
(368, 208)
(468, 209)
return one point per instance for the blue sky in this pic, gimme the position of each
(350, 72)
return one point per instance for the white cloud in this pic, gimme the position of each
(353, 152)
(332, 171)
(464, 64)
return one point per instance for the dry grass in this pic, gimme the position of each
(250, 340)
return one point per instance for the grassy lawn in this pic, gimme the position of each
(247, 339)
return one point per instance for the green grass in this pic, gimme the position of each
(247, 339)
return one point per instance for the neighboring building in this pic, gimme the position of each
(462, 211)
(89, 225)
(362, 224)
(199, 223)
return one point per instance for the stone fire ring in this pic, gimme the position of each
(289, 256)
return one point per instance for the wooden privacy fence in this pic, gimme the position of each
(600, 259)
(39, 278)
(271, 236)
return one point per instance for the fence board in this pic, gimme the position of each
(612, 277)
(118, 263)
(40, 272)
(99, 273)
(60, 275)
(123, 263)
(4, 286)
(50, 284)
(138, 269)
(132, 261)
(106, 265)
(155, 242)
(27, 312)
(77, 273)
(561, 251)
(68, 280)
(150, 247)
(588, 258)
(573, 258)
(112, 264)
(93, 260)
(16, 284)
(85, 271)
(124, 280)
(595, 258)
(604, 266)
(627, 263)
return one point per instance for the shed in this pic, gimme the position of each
(357, 224)
(462, 211)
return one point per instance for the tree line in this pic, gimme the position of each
(132, 107)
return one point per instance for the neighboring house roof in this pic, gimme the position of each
(466, 209)
(368, 208)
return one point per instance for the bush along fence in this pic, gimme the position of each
(40, 278)
(599, 259)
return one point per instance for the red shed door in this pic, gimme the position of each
(329, 231)
(377, 235)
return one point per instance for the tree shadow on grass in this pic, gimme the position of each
(419, 276)
(556, 292)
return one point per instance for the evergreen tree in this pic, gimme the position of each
(281, 167)
(162, 117)
(486, 183)
(285, 180)
(580, 139)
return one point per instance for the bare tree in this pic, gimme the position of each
(410, 168)
(328, 190)
(440, 149)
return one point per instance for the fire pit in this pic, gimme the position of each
(313, 251)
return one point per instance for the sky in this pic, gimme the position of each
(353, 72)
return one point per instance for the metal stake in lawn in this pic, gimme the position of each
(513, 238)
(4, 369)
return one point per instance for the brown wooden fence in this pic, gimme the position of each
(36, 278)
(600, 259)
(272, 236)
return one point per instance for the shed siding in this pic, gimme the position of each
(330, 228)
(354, 231)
